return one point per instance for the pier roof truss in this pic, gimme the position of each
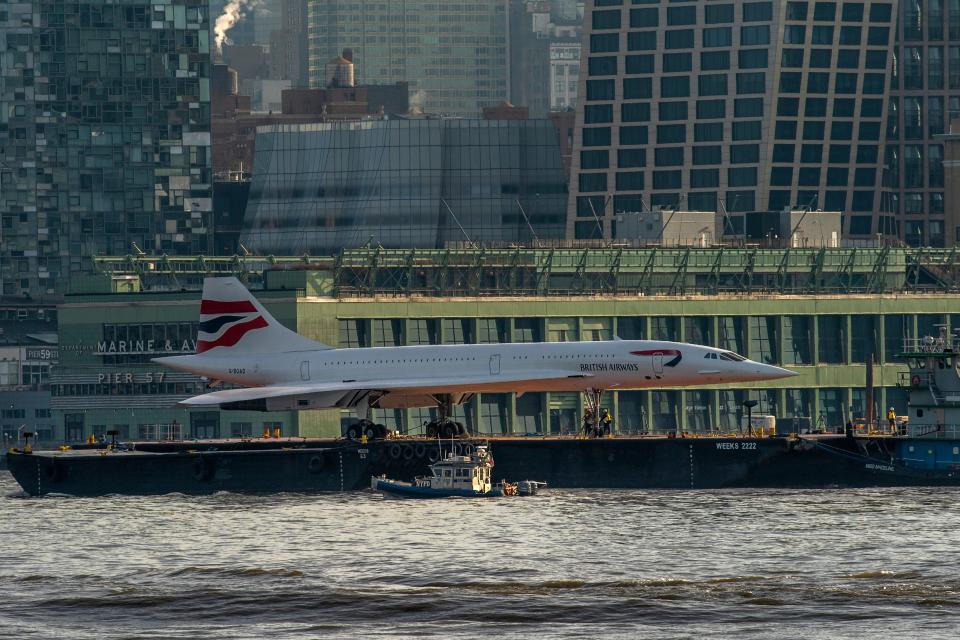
(572, 272)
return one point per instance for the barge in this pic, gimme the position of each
(922, 449)
(627, 462)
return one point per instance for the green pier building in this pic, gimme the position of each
(821, 312)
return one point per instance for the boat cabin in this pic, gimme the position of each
(469, 473)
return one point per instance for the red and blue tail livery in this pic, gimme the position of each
(223, 324)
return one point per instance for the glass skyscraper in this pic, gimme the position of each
(453, 53)
(424, 183)
(104, 134)
(925, 95)
(732, 107)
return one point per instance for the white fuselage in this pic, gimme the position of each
(623, 364)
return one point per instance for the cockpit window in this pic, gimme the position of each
(710, 356)
(733, 357)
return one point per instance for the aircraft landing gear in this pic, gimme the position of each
(444, 427)
(367, 428)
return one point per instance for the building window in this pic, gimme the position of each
(754, 35)
(668, 157)
(677, 16)
(794, 34)
(596, 136)
(671, 133)
(704, 178)
(783, 152)
(746, 130)
(639, 64)
(706, 155)
(764, 340)
(757, 11)
(878, 36)
(604, 42)
(591, 182)
(630, 181)
(744, 153)
(597, 113)
(751, 83)
(714, 60)
(637, 88)
(631, 158)
(677, 62)
(711, 109)
(602, 66)
(796, 11)
(635, 112)
(718, 13)
(594, 159)
(633, 135)
(712, 85)
(640, 18)
(601, 90)
(717, 37)
(673, 110)
(607, 19)
(742, 177)
(708, 132)
(678, 39)
(666, 179)
(641, 40)
(674, 87)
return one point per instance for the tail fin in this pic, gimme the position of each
(233, 321)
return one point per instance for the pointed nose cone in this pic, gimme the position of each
(770, 372)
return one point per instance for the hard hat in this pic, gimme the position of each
(891, 408)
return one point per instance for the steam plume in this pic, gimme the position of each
(233, 12)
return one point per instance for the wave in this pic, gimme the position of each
(238, 571)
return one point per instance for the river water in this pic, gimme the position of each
(565, 564)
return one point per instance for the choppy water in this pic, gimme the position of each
(566, 564)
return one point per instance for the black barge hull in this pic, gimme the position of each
(270, 466)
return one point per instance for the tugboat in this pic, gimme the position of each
(466, 476)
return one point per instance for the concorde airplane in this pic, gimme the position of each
(239, 342)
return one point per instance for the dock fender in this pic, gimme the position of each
(419, 451)
(467, 449)
(203, 469)
(408, 452)
(317, 463)
(395, 451)
(433, 455)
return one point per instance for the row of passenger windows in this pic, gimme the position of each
(719, 37)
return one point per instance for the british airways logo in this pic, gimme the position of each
(674, 354)
(223, 324)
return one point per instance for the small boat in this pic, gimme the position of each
(467, 476)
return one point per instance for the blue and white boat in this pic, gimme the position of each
(466, 476)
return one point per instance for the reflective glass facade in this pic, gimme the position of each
(453, 53)
(404, 183)
(925, 96)
(731, 106)
(104, 134)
